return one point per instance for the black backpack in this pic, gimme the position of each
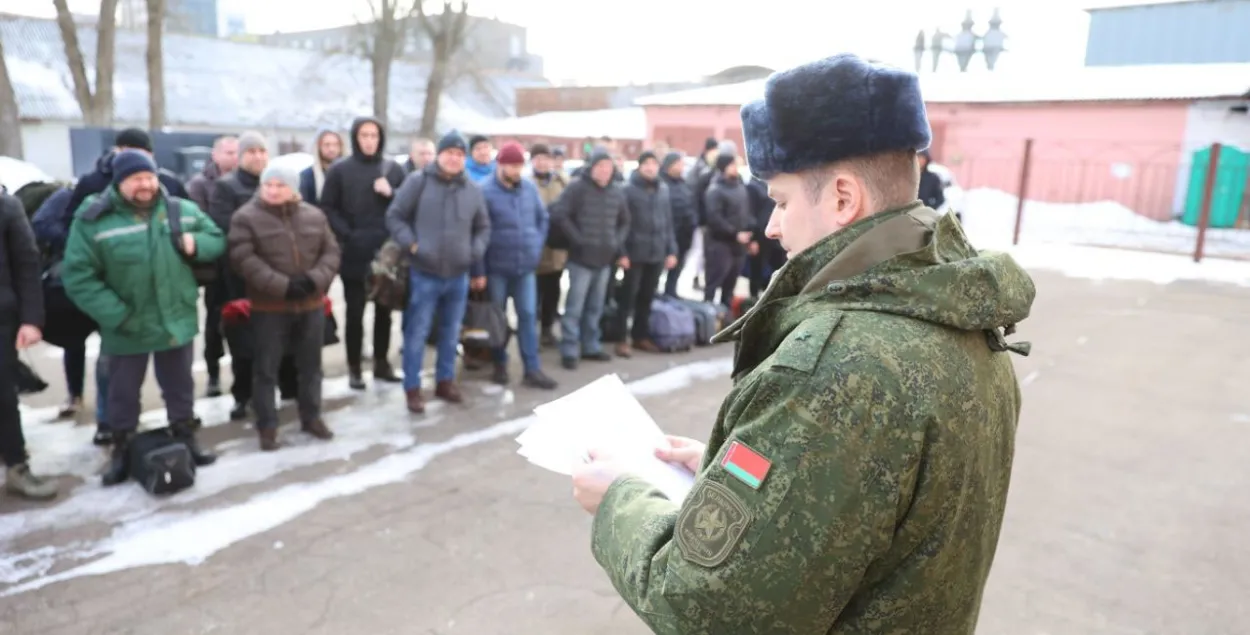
(160, 462)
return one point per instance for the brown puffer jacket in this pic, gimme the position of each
(271, 244)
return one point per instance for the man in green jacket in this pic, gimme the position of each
(125, 268)
(857, 473)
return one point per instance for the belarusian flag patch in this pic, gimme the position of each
(746, 464)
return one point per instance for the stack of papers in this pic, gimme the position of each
(603, 415)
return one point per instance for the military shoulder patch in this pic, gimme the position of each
(711, 524)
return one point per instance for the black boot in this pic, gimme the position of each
(118, 469)
(355, 380)
(239, 412)
(185, 431)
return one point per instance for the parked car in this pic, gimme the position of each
(14, 173)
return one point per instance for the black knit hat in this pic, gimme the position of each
(130, 162)
(134, 138)
(453, 140)
(647, 154)
(476, 139)
(539, 149)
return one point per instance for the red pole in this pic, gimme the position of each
(1022, 190)
(1208, 191)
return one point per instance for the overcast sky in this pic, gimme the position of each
(615, 42)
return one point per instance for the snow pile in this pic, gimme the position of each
(989, 218)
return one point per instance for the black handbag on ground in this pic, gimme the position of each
(485, 325)
(160, 462)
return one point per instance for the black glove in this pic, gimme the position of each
(300, 287)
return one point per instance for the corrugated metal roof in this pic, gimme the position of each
(235, 85)
(618, 123)
(1185, 82)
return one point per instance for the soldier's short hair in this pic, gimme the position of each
(892, 178)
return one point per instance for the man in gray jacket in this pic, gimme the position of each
(439, 218)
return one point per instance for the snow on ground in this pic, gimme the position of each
(151, 531)
(1073, 238)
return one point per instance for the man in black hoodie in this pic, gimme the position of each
(99, 180)
(684, 209)
(729, 230)
(357, 192)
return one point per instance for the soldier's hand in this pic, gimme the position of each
(592, 480)
(683, 451)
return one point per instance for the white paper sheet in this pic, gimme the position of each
(602, 415)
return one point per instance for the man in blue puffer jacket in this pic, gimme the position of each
(519, 223)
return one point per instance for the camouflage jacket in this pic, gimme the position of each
(857, 474)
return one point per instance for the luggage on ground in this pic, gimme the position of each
(672, 326)
(707, 319)
(160, 462)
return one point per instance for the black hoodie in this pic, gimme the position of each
(355, 210)
(99, 180)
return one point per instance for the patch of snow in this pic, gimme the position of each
(989, 218)
(147, 537)
(1072, 238)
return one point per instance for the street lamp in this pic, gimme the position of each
(967, 44)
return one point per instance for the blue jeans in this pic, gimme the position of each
(429, 296)
(523, 289)
(101, 390)
(583, 307)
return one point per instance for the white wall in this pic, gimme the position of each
(47, 146)
(1210, 122)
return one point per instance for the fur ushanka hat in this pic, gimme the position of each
(831, 110)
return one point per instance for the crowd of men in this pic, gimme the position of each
(126, 249)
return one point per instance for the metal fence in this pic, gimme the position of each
(1134, 195)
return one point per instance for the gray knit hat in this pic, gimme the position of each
(284, 173)
(252, 139)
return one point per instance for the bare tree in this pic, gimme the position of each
(97, 105)
(10, 122)
(382, 38)
(156, 64)
(447, 31)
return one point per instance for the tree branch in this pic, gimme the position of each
(73, 55)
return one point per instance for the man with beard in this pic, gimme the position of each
(682, 204)
(650, 249)
(357, 192)
(518, 229)
(230, 193)
(200, 188)
(285, 252)
(312, 180)
(122, 268)
(439, 219)
(551, 183)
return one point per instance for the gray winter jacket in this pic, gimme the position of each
(594, 219)
(445, 217)
(651, 237)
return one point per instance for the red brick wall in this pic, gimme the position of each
(531, 101)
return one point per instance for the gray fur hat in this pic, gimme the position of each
(252, 139)
(284, 173)
(830, 110)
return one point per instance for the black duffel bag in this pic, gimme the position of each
(160, 462)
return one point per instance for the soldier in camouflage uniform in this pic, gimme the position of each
(857, 473)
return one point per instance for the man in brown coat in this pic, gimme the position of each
(287, 255)
(551, 184)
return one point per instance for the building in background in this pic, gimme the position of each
(532, 101)
(492, 45)
(197, 17)
(234, 25)
(1178, 32)
(1123, 134)
(572, 129)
